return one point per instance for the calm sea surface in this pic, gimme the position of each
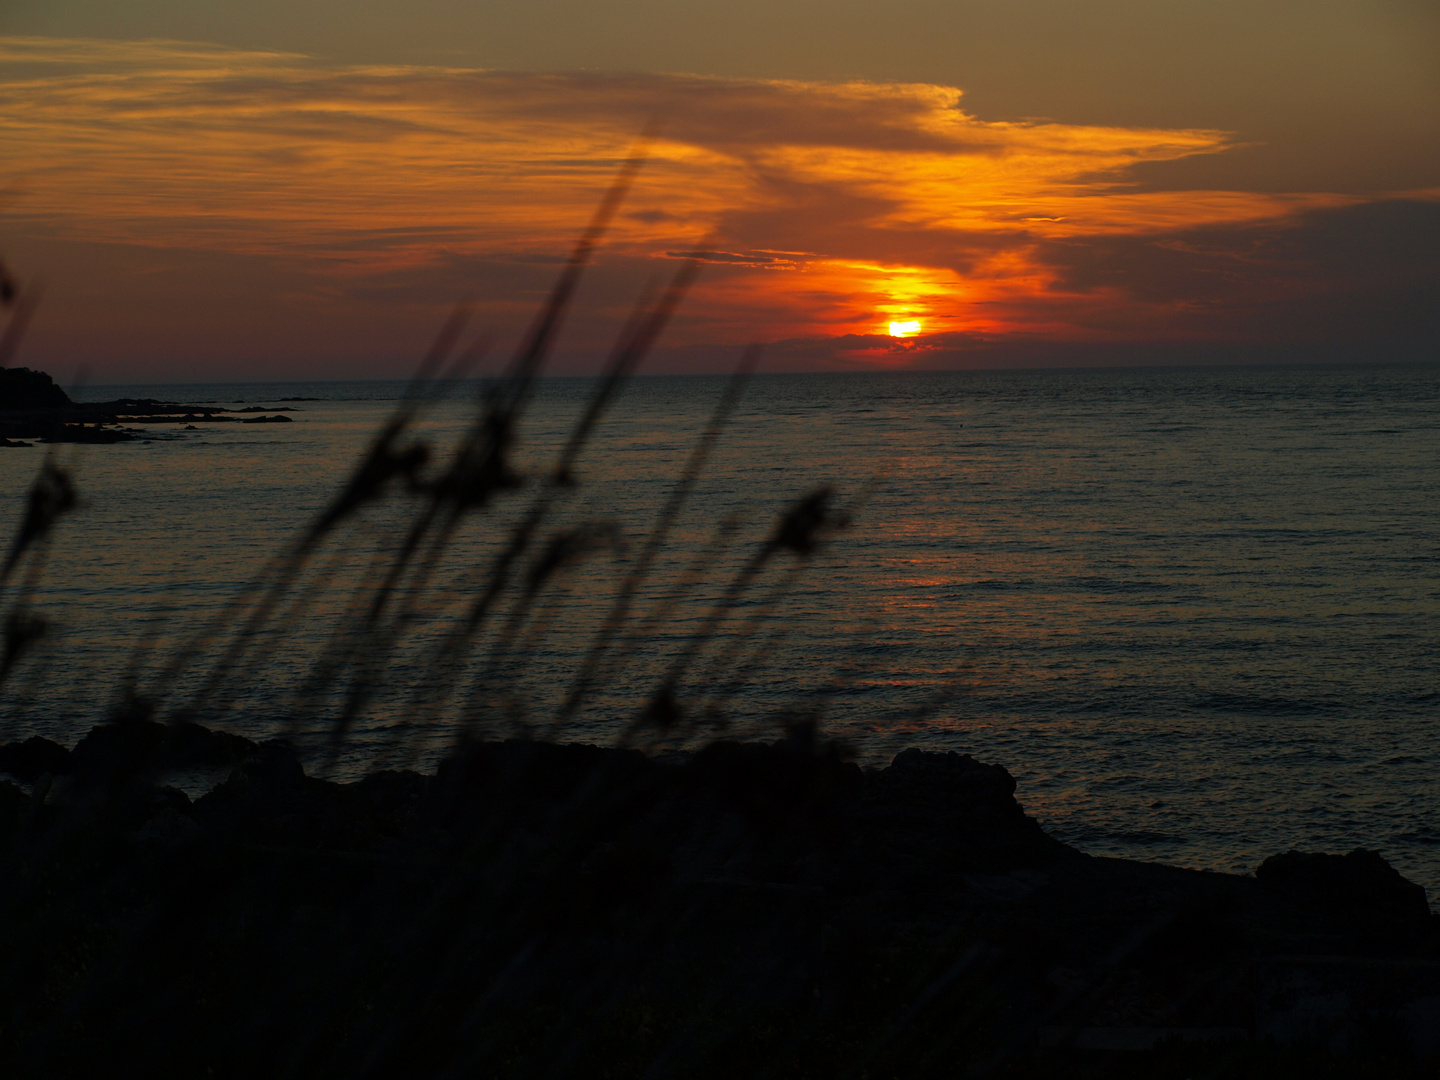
(1195, 612)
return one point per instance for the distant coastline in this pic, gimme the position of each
(32, 407)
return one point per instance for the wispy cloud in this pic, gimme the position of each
(833, 208)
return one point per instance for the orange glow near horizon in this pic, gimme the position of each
(829, 204)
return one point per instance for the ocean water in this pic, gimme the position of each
(1195, 612)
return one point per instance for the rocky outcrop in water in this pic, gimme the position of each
(33, 407)
(22, 389)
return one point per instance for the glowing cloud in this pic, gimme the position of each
(832, 209)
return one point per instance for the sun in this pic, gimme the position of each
(905, 329)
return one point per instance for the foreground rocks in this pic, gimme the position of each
(575, 910)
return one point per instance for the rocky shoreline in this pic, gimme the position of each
(747, 906)
(32, 407)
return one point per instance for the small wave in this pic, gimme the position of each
(1094, 834)
(1260, 703)
(1145, 836)
(1000, 583)
(1420, 836)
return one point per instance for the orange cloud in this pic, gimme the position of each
(835, 209)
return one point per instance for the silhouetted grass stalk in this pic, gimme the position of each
(479, 627)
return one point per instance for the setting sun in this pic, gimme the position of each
(905, 329)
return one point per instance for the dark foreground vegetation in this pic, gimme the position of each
(539, 909)
(757, 905)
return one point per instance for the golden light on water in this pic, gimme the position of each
(905, 329)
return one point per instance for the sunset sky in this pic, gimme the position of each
(303, 190)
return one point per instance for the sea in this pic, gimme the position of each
(1195, 612)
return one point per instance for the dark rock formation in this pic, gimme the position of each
(152, 748)
(1360, 887)
(577, 910)
(27, 760)
(93, 434)
(21, 388)
(33, 407)
(926, 800)
(15, 808)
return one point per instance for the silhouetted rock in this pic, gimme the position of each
(272, 765)
(27, 760)
(519, 776)
(147, 746)
(169, 826)
(33, 407)
(1361, 884)
(945, 779)
(390, 791)
(88, 434)
(777, 881)
(21, 388)
(774, 783)
(14, 805)
(949, 809)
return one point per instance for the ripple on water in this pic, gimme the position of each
(1193, 611)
